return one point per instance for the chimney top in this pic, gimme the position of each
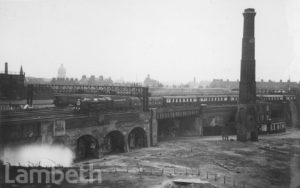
(250, 10)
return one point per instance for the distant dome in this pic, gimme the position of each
(61, 72)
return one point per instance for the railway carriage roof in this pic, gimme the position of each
(189, 91)
(195, 96)
(272, 95)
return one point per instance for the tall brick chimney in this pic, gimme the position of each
(247, 84)
(246, 122)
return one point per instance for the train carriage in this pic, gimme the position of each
(179, 100)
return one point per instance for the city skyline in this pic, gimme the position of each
(193, 82)
(171, 41)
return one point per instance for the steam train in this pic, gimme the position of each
(110, 103)
(99, 103)
(84, 103)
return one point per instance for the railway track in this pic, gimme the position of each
(38, 115)
(34, 111)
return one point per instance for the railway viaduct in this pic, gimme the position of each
(96, 134)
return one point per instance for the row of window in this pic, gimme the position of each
(273, 126)
(179, 100)
(277, 126)
(201, 99)
(278, 98)
(155, 101)
(290, 97)
(273, 91)
(214, 99)
(263, 117)
(223, 99)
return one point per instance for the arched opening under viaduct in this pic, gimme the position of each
(216, 125)
(114, 142)
(179, 127)
(166, 129)
(87, 147)
(137, 138)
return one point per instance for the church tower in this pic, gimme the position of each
(246, 119)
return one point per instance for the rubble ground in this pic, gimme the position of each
(273, 161)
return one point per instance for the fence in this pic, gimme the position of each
(139, 170)
(215, 178)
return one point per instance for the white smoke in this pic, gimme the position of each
(38, 155)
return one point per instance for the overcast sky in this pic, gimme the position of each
(168, 39)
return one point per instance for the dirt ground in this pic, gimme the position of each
(273, 161)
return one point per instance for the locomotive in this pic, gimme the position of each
(90, 103)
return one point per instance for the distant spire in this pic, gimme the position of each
(61, 73)
(21, 70)
(6, 68)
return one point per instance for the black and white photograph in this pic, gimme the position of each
(149, 94)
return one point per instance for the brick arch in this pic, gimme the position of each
(137, 137)
(136, 126)
(114, 142)
(92, 132)
(87, 146)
